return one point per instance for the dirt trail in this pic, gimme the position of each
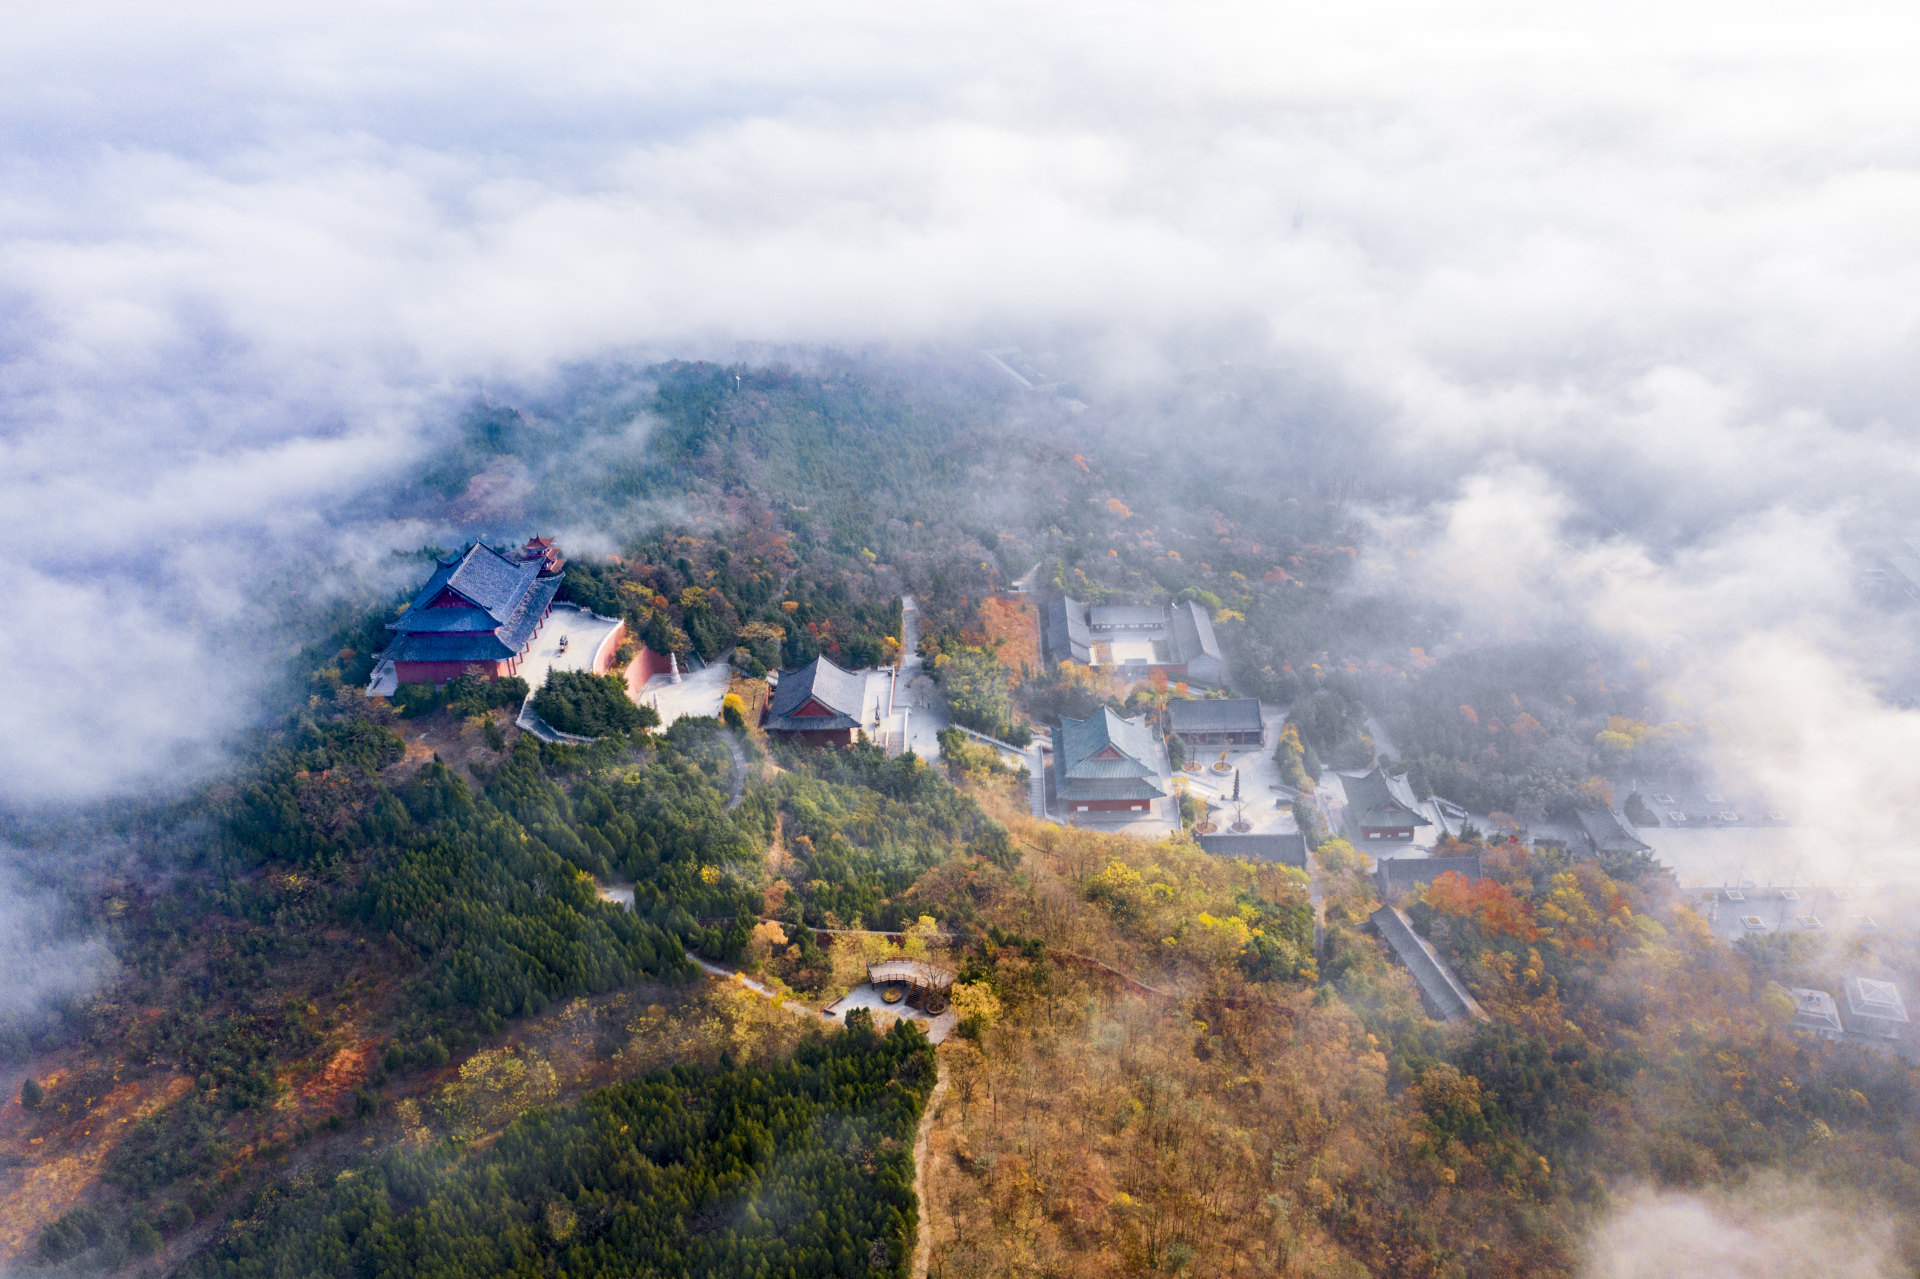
(923, 1237)
(731, 974)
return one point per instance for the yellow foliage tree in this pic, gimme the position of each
(495, 1087)
(1337, 856)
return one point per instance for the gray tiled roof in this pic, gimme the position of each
(1290, 848)
(488, 580)
(1449, 1000)
(492, 581)
(1067, 638)
(1215, 715)
(839, 691)
(1193, 633)
(527, 615)
(1132, 616)
(1815, 1010)
(1396, 874)
(1382, 801)
(1609, 832)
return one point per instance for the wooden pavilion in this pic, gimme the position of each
(928, 985)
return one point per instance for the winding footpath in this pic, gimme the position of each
(923, 1233)
(730, 974)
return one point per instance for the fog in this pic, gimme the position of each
(1655, 257)
(1615, 312)
(1756, 626)
(1613, 307)
(44, 960)
(1771, 1227)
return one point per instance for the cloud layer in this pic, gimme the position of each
(1755, 627)
(1771, 1229)
(1657, 256)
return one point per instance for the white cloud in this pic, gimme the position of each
(1763, 650)
(1770, 1229)
(246, 252)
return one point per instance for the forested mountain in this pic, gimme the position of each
(802, 1169)
(409, 992)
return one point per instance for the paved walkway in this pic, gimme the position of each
(590, 640)
(919, 710)
(868, 997)
(697, 694)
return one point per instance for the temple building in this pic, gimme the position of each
(1381, 806)
(1606, 831)
(478, 614)
(1289, 848)
(1815, 1013)
(819, 704)
(1873, 1008)
(1216, 721)
(1134, 639)
(1398, 876)
(1105, 764)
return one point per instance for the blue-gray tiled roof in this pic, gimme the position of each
(471, 646)
(487, 579)
(839, 691)
(509, 599)
(1079, 774)
(444, 620)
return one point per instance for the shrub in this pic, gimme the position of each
(590, 705)
(465, 696)
(866, 650)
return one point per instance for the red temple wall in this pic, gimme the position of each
(603, 660)
(647, 664)
(818, 737)
(441, 672)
